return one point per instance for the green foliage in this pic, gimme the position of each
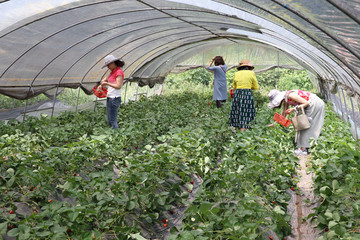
(78, 179)
(162, 142)
(196, 76)
(335, 159)
(285, 79)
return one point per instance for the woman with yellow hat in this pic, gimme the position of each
(242, 111)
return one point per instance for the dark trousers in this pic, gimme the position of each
(219, 103)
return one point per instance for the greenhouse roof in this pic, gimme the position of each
(62, 43)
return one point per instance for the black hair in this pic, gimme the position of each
(119, 63)
(243, 68)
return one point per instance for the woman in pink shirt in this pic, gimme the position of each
(114, 83)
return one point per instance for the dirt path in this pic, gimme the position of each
(300, 206)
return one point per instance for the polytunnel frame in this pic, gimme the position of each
(163, 11)
(57, 86)
(126, 53)
(300, 30)
(92, 36)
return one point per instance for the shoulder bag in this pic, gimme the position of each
(300, 121)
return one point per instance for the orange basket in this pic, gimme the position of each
(282, 120)
(232, 91)
(100, 94)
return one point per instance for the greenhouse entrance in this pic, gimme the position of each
(158, 154)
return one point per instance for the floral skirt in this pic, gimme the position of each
(242, 111)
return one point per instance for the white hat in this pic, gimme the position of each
(109, 59)
(275, 97)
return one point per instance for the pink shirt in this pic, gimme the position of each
(113, 92)
(301, 93)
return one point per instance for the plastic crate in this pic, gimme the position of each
(282, 120)
(100, 94)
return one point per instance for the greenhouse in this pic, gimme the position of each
(174, 168)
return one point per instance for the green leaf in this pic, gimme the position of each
(13, 232)
(130, 205)
(331, 235)
(137, 236)
(59, 229)
(148, 219)
(335, 185)
(332, 224)
(186, 235)
(325, 192)
(328, 214)
(205, 207)
(336, 216)
(10, 182)
(3, 228)
(278, 210)
(160, 201)
(43, 234)
(10, 171)
(340, 230)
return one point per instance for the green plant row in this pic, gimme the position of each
(72, 177)
(335, 160)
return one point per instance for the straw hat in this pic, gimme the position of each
(275, 97)
(109, 59)
(246, 63)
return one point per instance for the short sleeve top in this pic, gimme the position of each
(113, 92)
(305, 95)
(245, 79)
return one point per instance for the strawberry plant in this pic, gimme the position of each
(172, 158)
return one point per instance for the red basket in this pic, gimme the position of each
(100, 94)
(282, 120)
(232, 91)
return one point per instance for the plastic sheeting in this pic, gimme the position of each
(61, 43)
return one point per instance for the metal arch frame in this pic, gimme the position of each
(211, 12)
(55, 13)
(170, 50)
(205, 41)
(103, 2)
(318, 61)
(48, 37)
(89, 20)
(57, 32)
(281, 40)
(58, 85)
(300, 30)
(190, 22)
(52, 60)
(162, 46)
(345, 9)
(162, 11)
(332, 36)
(145, 4)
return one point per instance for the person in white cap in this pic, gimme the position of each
(314, 108)
(114, 83)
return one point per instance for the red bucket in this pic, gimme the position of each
(282, 120)
(232, 91)
(100, 94)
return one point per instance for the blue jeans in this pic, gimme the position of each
(112, 106)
